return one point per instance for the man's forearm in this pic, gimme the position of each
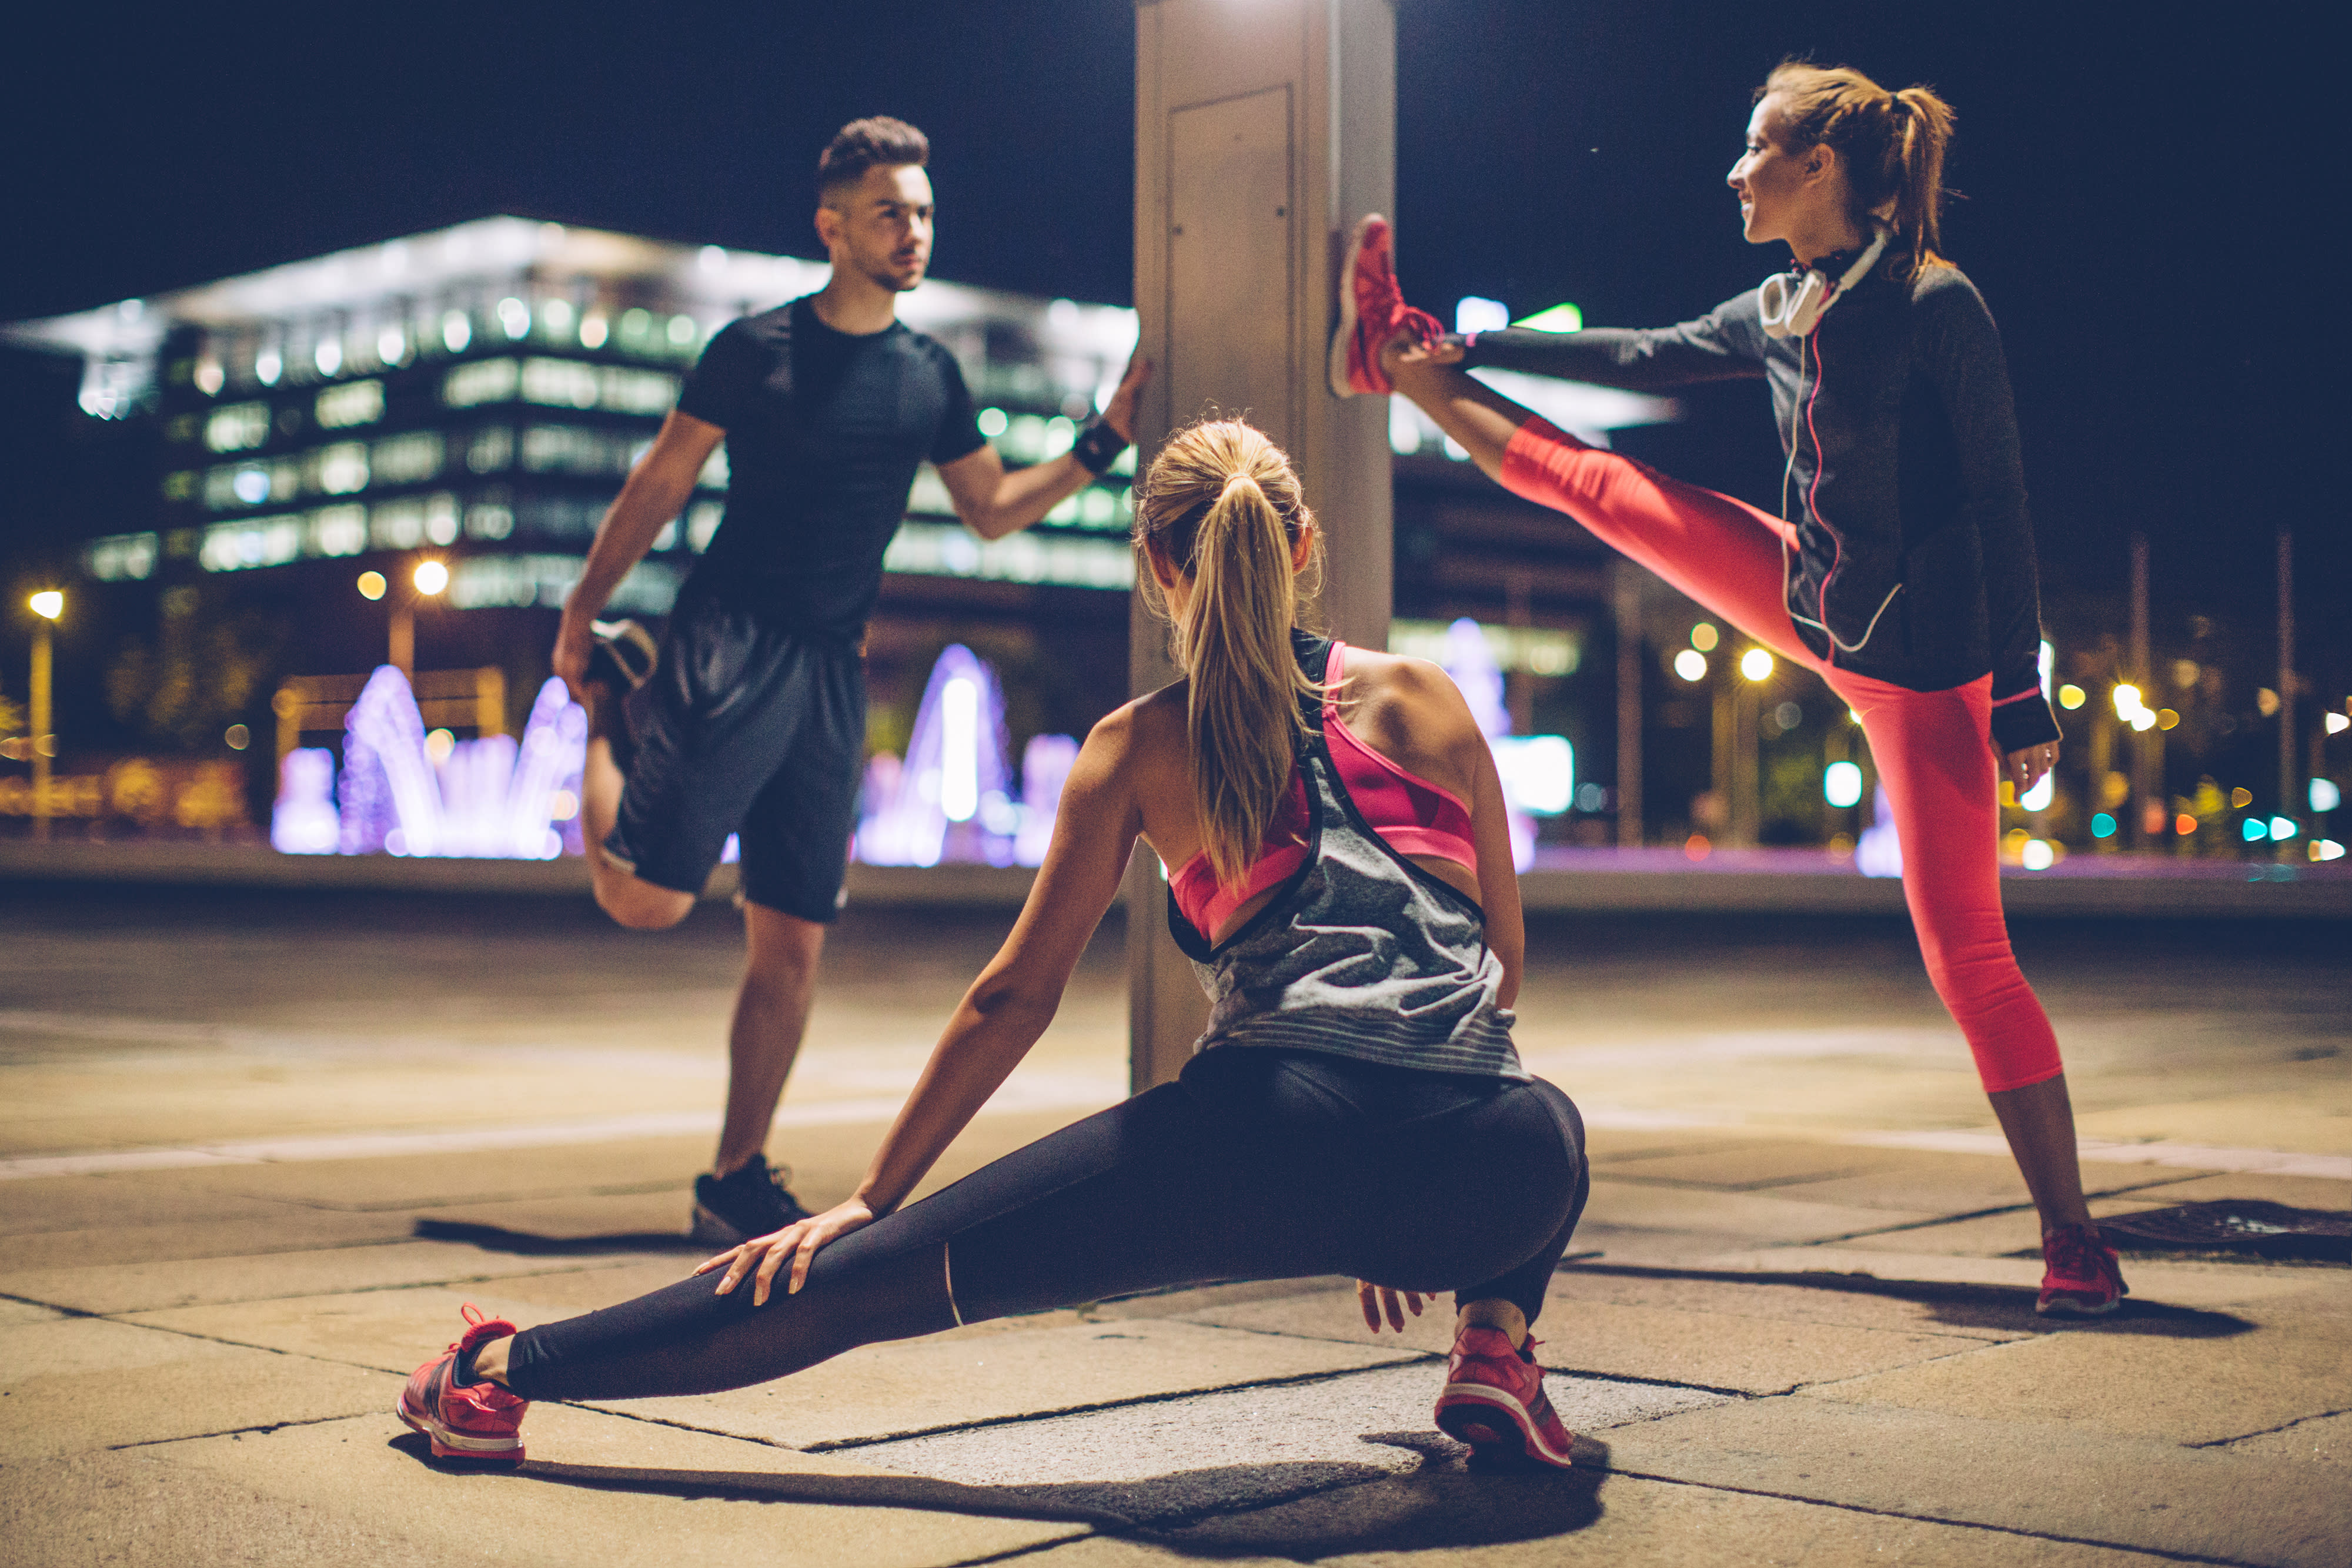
(1025, 495)
(645, 504)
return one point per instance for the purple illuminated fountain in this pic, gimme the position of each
(303, 822)
(951, 797)
(492, 798)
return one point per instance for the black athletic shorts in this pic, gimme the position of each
(751, 730)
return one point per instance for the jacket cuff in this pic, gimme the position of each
(2024, 722)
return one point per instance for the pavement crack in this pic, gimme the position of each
(236, 1431)
(2156, 1551)
(2266, 1431)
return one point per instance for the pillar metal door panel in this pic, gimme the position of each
(1231, 253)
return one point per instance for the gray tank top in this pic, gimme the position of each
(1360, 953)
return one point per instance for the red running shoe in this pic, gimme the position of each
(1494, 1401)
(2081, 1276)
(1371, 311)
(468, 1420)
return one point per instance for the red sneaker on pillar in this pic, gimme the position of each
(1371, 311)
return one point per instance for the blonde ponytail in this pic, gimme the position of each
(1221, 505)
(1892, 145)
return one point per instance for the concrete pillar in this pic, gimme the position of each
(1263, 129)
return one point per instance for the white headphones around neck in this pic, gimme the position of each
(1793, 310)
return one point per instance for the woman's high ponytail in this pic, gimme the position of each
(1221, 505)
(1890, 143)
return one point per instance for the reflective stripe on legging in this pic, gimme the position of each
(1933, 749)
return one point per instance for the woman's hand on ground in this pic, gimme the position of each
(1378, 1301)
(763, 1256)
(2025, 767)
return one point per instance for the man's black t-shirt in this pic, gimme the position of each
(824, 431)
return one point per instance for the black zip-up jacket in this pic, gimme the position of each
(1915, 559)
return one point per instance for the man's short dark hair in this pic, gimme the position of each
(875, 142)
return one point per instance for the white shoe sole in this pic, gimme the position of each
(1457, 1408)
(449, 1444)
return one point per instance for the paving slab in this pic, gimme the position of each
(1776, 1163)
(1830, 1299)
(111, 1288)
(2192, 1286)
(957, 1378)
(77, 1383)
(83, 1203)
(280, 1228)
(624, 1493)
(1489, 1521)
(115, 1507)
(1749, 1354)
(1170, 1462)
(1948, 1183)
(2299, 1192)
(1757, 1216)
(2211, 1381)
(2037, 1478)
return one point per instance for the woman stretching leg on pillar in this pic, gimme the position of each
(1902, 572)
(1344, 885)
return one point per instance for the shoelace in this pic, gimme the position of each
(2074, 1253)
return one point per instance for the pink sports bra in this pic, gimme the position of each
(1412, 816)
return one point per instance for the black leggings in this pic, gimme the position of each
(1256, 1164)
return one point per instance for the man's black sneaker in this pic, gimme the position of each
(622, 657)
(748, 1202)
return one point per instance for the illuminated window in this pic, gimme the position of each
(1537, 649)
(555, 315)
(396, 525)
(180, 487)
(569, 383)
(943, 549)
(406, 459)
(490, 519)
(239, 427)
(929, 497)
(593, 330)
(574, 449)
(514, 317)
(558, 383)
(491, 450)
(992, 423)
(254, 542)
(209, 376)
(392, 345)
(121, 557)
(702, 521)
(441, 518)
(682, 331)
(457, 331)
(636, 327)
(342, 468)
(714, 472)
(353, 403)
(485, 381)
(328, 356)
(338, 530)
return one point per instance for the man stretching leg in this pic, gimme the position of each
(752, 720)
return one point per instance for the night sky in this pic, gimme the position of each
(2143, 214)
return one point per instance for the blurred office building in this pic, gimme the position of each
(295, 442)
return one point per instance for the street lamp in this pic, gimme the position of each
(429, 576)
(47, 604)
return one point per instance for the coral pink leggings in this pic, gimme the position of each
(1931, 747)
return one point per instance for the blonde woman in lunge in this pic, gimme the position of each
(1343, 884)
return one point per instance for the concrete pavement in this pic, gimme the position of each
(255, 1150)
